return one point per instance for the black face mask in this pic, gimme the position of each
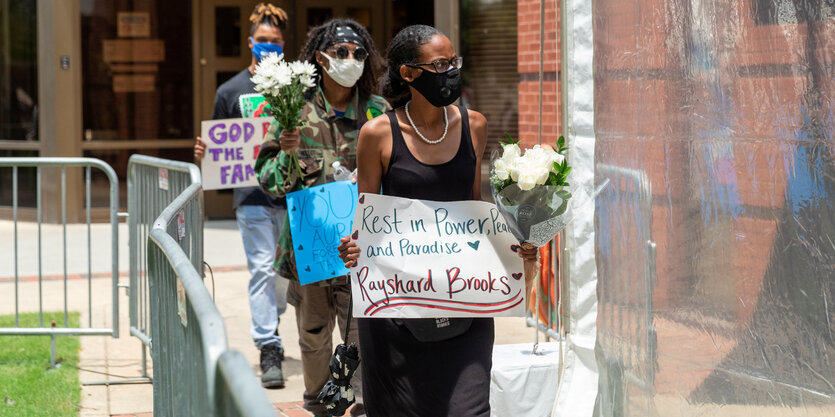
(440, 88)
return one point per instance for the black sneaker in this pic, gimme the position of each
(271, 373)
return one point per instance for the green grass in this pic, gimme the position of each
(28, 387)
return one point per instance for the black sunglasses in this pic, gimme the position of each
(342, 52)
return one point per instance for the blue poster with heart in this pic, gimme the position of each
(319, 216)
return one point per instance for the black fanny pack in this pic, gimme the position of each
(437, 329)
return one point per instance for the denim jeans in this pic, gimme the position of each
(260, 227)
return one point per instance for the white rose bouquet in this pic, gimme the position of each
(531, 190)
(532, 194)
(283, 85)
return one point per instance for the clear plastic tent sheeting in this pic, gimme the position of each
(715, 241)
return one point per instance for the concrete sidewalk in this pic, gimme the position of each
(108, 358)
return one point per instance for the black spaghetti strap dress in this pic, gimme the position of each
(401, 375)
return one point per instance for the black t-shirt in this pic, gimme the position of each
(228, 106)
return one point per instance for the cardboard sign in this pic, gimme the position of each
(434, 259)
(319, 217)
(253, 105)
(232, 146)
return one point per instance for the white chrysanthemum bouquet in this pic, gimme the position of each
(283, 85)
(531, 190)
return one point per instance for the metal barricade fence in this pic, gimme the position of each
(63, 163)
(188, 333)
(625, 311)
(238, 393)
(153, 183)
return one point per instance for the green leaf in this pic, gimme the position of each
(510, 140)
(561, 142)
(553, 179)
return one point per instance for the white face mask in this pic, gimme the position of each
(346, 71)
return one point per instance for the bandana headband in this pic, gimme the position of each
(344, 34)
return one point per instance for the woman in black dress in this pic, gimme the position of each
(431, 150)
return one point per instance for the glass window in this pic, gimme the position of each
(406, 13)
(228, 31)
(318, 15)
(26, 183)
(137, 79)
(362, 15)
(18, 70)
(491, 79)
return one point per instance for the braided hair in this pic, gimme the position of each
(268, 14)
(403, 49)
(322, 37)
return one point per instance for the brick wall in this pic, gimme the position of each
(528, 15)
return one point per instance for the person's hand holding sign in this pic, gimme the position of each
(199, 150)
(349, 252)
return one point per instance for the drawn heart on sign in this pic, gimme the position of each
(475, 244)
(362, 199)
(307, 269)
(301, 247)
(321, 190)
(517, 275)
(515, 248)
(356, 235)
(293, 209)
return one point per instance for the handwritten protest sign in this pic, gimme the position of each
(434, 259)
(232, 146)
(319, 216)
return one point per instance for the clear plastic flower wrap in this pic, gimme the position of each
(532, 192)
(537, 215)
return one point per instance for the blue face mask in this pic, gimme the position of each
(261, 50)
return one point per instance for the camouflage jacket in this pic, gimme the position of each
(325, 138)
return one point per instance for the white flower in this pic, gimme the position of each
(284, 75)
(527, 181)
(307, 81)
(302, 68)
(501, 169)
(542, 175)
(271, 59)
(531, 168)
(510, 153)
(271, 74)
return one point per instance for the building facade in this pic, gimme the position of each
(110, 78)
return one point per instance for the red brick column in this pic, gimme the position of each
(528, 15)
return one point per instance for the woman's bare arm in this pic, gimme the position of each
(373, 144)
(478, 132)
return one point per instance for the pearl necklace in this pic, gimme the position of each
(431, 142)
